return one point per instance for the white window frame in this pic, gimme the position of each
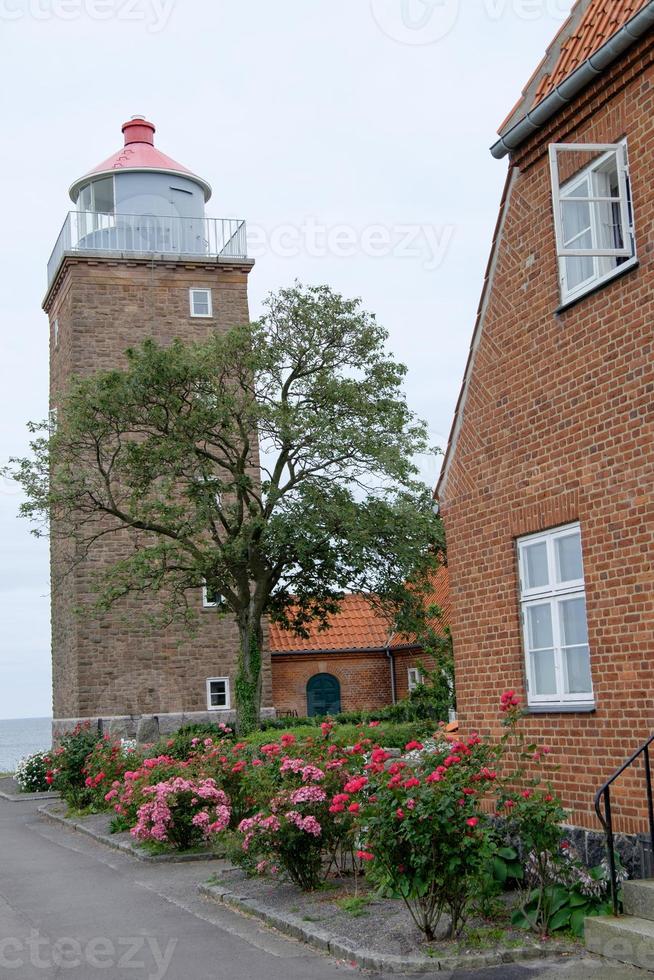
(600, 273)
(91, 186)
(205, 600)
(550, 595)
(55, 331)
(228, 701)
(191, 295)
(53, 420)
(414, 678)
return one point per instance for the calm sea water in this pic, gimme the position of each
(22, 736)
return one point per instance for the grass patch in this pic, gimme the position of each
(355, 905)
(214, 879)
(483, 937)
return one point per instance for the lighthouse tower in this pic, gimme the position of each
(137, 258)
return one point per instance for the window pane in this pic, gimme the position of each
(84, 200)
(608, 216)
(543, 673)
(218, 692)
(539, 624)
(103, 195)
(575, 215)
(201, 303)
(577, 670)
(534, 557)
(212, 597)
(569, 565)
(573, 621)
(578, 270)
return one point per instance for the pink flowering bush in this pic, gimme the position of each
(295, 825)
(125, 796)
(425, 835)
(107, 763)
(182, 812)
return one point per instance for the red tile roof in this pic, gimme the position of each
(357, 626)
(591, 23)
(600, 22)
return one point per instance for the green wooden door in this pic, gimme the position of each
(323, 695)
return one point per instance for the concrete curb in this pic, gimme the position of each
(23, 797)
(369, 959)
(110, 840)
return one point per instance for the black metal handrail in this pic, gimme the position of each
(606, 818)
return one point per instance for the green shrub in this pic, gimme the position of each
(426, 703)
(182, 743)
(392, 735)
(69, 761)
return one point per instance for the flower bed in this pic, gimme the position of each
(354, 922)
(441, 826)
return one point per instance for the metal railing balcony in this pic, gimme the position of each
(145, 234)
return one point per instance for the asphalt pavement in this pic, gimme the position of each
(71, 909)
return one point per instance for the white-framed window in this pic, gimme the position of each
(200, 302)
(211, 599)
(53, 420)
(218, 693)
(414, 678)
(553, 611)
(593, 214)
(98, 196)
(55, 332)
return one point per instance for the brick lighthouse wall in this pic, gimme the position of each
(117, 665)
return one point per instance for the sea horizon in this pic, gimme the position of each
(20, 737)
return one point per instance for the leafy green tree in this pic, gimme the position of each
(274, 462)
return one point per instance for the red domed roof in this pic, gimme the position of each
(139, 153)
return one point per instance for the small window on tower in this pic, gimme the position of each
(211, 598)
(55, 332)
(200, 302)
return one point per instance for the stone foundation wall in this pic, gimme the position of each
(148, 728)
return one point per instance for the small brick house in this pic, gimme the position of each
(357, 664)
(547, 486)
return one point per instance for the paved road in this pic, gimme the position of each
(70, 908)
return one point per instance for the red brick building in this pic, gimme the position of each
(546, 489)
(357, 664)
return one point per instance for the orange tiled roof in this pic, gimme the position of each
(591, 23)
(357, 626)
(600, 22)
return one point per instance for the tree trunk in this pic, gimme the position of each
(248, 678)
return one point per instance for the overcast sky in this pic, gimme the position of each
(352, 135)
